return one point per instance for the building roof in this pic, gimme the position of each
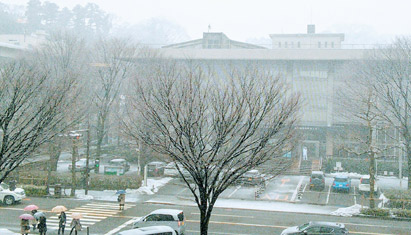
(312, 35)
(264, 54)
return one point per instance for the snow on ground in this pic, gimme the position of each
(153, 185)
(384, 200)
(251, 205)
(351, 175)
(132, 195)
(347, 211)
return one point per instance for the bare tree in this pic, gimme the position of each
(32, 109)
(63, 55)
(111, 66)
(216, 127)
(358, 106)
(391, 68)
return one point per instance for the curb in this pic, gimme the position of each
(383, 217)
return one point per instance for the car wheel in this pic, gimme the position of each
(9, 200)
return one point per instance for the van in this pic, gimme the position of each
(166, 217)
(151, 230)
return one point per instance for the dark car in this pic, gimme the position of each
(316, 228)
(317, 180)
(252, 177)
(155, 169)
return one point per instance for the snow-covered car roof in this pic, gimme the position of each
(365, 177)
(167, 211)
(148, 230)
(118, 160)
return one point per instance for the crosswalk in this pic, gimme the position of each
(92, 213)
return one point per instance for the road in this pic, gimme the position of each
(104, 218)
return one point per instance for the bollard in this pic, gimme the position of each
(88, 230)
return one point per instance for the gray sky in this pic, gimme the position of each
(240, 19)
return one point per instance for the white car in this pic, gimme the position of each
(165, 217)
(166, 230)
(364, 187)
(10, 197)
(81, 165)
(171, 170)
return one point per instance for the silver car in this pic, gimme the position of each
(167, 217)
(164, 230)
(316, 228)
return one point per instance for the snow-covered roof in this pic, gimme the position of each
(118, 160)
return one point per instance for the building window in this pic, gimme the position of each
(298, 45)
(279, 44)
(325, 44)
(332, 44)
(285, 44)
(319, 44)
(292, 44)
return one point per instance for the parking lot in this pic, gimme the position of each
(284, 188)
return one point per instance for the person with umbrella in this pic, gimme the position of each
(42, 226)
(121, 198)
(24, 223)
(62, 217)
(75, 223)
(33, 209)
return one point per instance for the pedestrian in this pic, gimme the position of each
(25, 227)
(42, 226)
(76, 226)
(34, 222)
(122, 200)
(62, 222)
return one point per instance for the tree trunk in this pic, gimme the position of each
(100, 136)
(372, 179)
(73, 169)
(409, 165)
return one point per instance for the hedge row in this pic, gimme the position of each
(96, 181)
(361, 166)
(398, 199)
(33, 190)
(376, 212)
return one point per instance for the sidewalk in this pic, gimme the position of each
(250, 205)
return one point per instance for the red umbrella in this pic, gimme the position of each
(26, 216)
(31, 207)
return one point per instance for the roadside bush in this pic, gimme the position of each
(398, 199)
(97, 182)
(37, 191)
(402, 213)
(375, 212)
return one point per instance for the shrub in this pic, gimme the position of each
(37, 191)
(398, 199)
(375, 212)
(402, 213)
(97, 182)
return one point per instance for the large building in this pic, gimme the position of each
(309, 62)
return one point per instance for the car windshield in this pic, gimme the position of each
(317, 176)
(117, 163)
(303, 227)
(341, 179)
(4, 185)
(365, 181)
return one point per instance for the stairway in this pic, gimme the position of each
(316, 165)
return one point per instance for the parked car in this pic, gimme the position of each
(251, 177)
(341, 183)
(364, 186)
(163, 230)
(81, 165)
(317, 180)
(171, 170)
(9, 197)
(117, 167)
(168, 217)
(155, 168)
(316, 228)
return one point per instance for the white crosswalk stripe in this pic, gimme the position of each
(92, 213)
